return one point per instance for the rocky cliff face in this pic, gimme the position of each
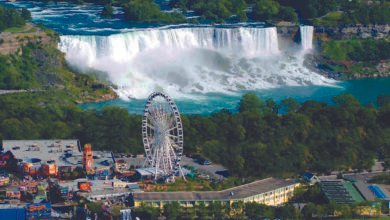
(361, 31)
(12, 42)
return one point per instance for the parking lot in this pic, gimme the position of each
(212, 170)
(206, 169)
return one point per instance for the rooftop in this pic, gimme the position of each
(239, 192)
(60, 152)
(363, 189)
(148, 171)
(339, 191)
(103, 159)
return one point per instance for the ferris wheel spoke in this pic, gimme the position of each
(150, 126)
(173, 137)
(171, 129)
(162, 128)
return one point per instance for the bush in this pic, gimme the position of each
(10, 17)
(148, 11)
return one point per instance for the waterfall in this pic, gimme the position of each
(187, 61)
(306, 37)
(124, 47)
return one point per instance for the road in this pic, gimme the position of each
(11, 91)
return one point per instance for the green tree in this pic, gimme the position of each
(217, 210)
(288, 14)
(26, 14)
(250, 102)
(148, 11)
(212, 150)
(172, 210)
(290, 104)
(263, 10)
(107, 11)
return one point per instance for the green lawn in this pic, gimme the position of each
(15, 29)
(331, 19)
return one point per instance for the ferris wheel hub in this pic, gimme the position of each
(162, 134)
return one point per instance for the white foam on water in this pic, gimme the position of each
(189, 61)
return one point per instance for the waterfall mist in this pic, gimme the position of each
(189, 61)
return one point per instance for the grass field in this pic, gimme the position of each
(15, 29)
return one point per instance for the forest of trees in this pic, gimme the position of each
(220, 11)
(239, 210)
(217, 210)
(358, 50)
(10, 17)
(256, 141)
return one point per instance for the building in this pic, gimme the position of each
(147, 173)
(310, 178)
(126, 162)
(121, 166)
(8, 211)
(46, 157)
(103, 162)
(55, 157)
(88, 158)
(270, 191)
(95, 190)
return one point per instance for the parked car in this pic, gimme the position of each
(203, 161)
(206, 162)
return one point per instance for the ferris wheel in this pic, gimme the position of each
(162, 135)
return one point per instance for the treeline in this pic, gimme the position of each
(356, 12)
(359, 50)
(341, 12)
(10, 17)
(214, 10)
(220, 11)
(256, 141)
(217, 210)
(239, 210)
(51, 115)
(237, 10)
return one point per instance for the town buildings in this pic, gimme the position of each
(270, 191)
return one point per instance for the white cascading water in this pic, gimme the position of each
(186, 61)
(307, 37)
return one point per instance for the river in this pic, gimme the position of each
(204, 68)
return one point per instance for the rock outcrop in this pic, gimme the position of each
(361, 31)
(12, 42)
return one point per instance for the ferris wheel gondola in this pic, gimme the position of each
(162, 135)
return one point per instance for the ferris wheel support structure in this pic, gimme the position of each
(162, 137)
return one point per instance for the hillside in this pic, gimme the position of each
(30, 60)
